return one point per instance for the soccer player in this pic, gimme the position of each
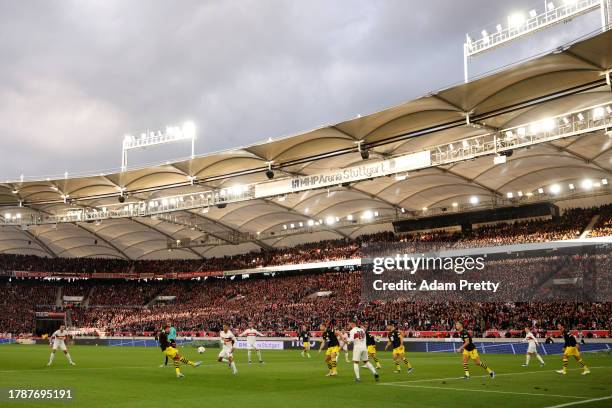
(251, 334)
(371, 344)
(532, 348)
(357, 336)
(171, 352)
(396, 339)
(330, 340)
(343, 341)
(171, 339)
(227, 348)
(571, 349)
(58, 340)
(470, 352)
(304, 337)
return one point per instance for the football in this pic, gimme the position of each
(201, 349)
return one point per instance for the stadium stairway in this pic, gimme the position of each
(590, 225)
(58, 297)
(88, 296)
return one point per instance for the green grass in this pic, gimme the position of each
(130, 377)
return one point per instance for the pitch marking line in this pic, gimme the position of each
(479, 390)
(569, 404)
(482, 376)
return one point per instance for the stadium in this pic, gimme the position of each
(278, 244)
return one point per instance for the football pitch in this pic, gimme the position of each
(130, 377)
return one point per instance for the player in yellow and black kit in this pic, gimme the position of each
(330, 340)
(371, 343)
(571, 349)
(172, 352)
(470, 352)
(396, 339)
(304, 338)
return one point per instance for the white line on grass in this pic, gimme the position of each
(569, 404)
(479, 390)
(483, 376)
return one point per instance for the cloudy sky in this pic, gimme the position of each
(75, 75)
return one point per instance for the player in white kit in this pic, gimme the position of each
(343, 340)
(227, 348)
(58, 341)
(357, 336)
(532, 348)
(251, 340)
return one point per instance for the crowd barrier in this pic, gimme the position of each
(484, 346)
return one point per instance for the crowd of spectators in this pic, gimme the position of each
(567, 226)
(282, 303)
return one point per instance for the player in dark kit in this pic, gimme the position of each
(399, 354)
(304, 338)
(330, 339)
(171, 352)
(470, 352)
(571, 349)
(371, 343)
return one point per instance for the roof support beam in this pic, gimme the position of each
(165, 235)
(107, 242)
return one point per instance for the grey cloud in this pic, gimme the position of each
(76, 75)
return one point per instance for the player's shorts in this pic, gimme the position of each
(532, 348)
(360, 354)
(170, 352)
(59, 344)
(330, 350)
(372, 349)
(306, 344)
(571, 351)
(399, 350)
(252, 346)
(345, 347)
(226, 353)
(473, 354)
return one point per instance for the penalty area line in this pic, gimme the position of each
(533, 394)
(588, 401)
(483, 376)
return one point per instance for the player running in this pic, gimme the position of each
(171, 352)
(371, 344)
(396, 339)
(58, 340)
(470, 352)
(330, 340)
(571, 349)
(532, 348)
(357, 336)
(226, 354)
(304, 338)
(251, 334)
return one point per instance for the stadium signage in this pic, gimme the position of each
(346, 175)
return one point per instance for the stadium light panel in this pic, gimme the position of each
(541, 190)
(310, 223)
(330, 220)
(516, 20)
(473, 200)
(455, 205)
(509, 194)
(571, 186)
(598, 113)
(604, 182)
(349, 217)
(555, 189)
(587, 184)
(367, 215)
(533, 13)
(519, 193)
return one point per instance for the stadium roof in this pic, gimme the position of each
(567, 80)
